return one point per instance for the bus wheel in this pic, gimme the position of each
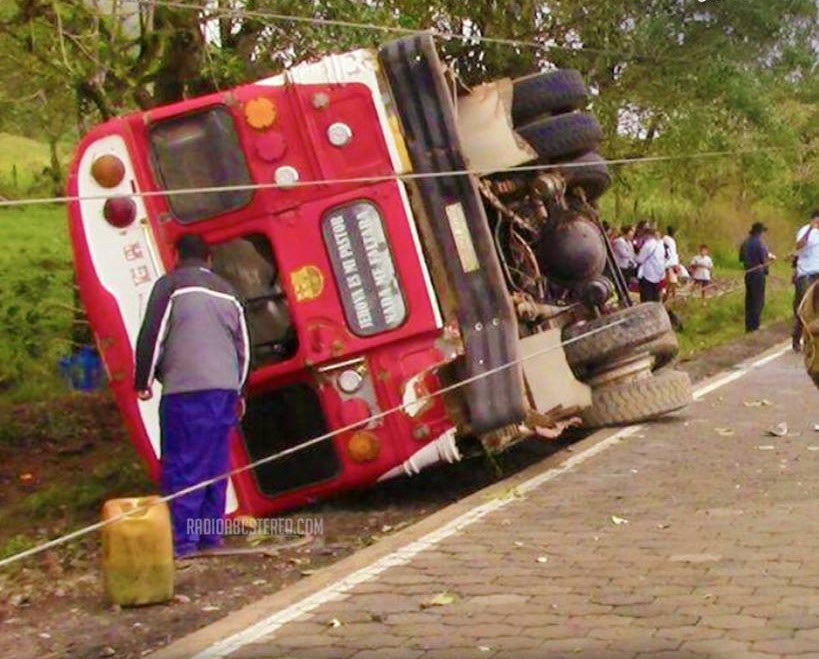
(641, 328)
(547, 93)
(664, 349)
(640, 400)
(589, 172)
(563, 136)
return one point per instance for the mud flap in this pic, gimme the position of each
(550, 381)
(459, 225)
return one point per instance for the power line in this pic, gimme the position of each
(86, 530)
(444, 35)
(412, 176)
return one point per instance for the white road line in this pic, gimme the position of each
(341, 589)
(739, 373)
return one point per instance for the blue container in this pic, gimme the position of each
(83, 370)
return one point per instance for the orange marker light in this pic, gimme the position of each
(108, 171)
(363, 446)
(260, 113)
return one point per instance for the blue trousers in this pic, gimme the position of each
(195, 427)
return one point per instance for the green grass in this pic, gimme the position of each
(36, 297)
(70, 504)
(22, 161)
(114, 477)
(721, 319)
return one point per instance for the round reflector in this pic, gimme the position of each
(119, 211)
(260, 113)
(363, 446)
(108, 171)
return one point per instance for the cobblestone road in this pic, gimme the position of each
(696, 536)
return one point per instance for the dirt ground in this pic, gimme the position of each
(53, 606)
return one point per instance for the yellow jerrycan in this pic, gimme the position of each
(137, 551)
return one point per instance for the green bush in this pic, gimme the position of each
(36, 299)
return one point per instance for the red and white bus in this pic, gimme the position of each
(371, 281)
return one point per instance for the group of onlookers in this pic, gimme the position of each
(651, 259)
(651, 263)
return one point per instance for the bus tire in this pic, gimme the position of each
(551, 92)
(563, 136)
(664, 349)
(638, 400)
(589, 172)
(599, 341)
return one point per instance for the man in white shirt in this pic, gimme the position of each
(623, 248)
(807, 269)
(651, 268)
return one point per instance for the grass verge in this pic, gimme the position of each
(721, 319)
(36, 301)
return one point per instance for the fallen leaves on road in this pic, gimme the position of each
(779, 430)
(542, 559)
(618, 520)
(209, 608)
(725, 432)
(335, 622)
(758, 403)
(766, 447)
(502, 495)
(441, 599)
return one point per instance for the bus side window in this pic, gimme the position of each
(248, 263)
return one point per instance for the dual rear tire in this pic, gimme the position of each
(600, 345)
(546, 111)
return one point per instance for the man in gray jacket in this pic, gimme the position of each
(194, 340)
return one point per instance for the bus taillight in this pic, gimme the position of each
(108, 171)
(119, 212)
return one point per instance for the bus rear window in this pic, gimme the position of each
(200, 150)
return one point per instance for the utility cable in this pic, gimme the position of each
(444, 35)
(293, 449)
(411, 176)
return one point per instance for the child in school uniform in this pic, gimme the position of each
(701, 268)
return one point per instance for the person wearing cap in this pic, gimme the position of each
(755, 257)
(194, 340)
(807, 270)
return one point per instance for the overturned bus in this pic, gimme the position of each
(391, 238)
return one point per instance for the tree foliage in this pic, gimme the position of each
(669, 76)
